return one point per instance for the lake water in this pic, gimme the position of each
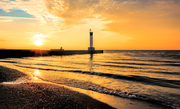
(153, 76)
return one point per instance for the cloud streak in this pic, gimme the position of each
(68, 13)
(36, 8)
(6, 20)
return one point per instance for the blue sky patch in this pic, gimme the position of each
(15, 13)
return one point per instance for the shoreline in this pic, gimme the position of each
(18, 95)
(41, 95)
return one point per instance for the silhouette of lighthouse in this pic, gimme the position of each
(91, 48)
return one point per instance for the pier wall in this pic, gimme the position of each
(7, 53)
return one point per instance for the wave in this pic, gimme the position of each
(131, 67)
(138, 97)
(172, 54)
(57, 66)
(118, 93)
(149, 60)
(130, 63)
(172, 73)
(142, 79)
(15, 62)
(10, 61)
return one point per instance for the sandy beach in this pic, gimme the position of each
(46, 95)
(41, 95)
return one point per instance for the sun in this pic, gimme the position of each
(38, 39)
(38, 42)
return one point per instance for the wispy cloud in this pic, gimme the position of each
(10, 19)
(69, 13)
(72, 13)
(6, 20)
(36, 8)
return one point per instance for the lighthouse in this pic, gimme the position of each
(91, 48)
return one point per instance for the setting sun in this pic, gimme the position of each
(38, 42)
(38, 39)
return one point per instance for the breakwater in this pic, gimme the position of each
(11, 53)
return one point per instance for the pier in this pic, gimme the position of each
(9, 53)
(14, 53)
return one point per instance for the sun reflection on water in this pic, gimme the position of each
(36, 76)
(37, 73)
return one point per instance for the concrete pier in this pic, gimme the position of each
(71, 52)
(11, 53)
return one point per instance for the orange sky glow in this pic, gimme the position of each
(117, 24)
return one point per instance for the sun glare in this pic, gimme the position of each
(38, 39)
(38, 42)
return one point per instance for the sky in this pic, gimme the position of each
(117, 24)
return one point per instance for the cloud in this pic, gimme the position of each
(10, 18)
(71, 13)
(74, 12)
(6, 20)
(35, 8)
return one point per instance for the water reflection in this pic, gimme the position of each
(36, 73)
(36, 76)
(91, 56)
(91, 63)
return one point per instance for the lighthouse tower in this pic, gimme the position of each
(91, 48)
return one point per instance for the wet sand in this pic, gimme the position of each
(48, 95)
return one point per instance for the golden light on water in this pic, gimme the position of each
(37, 73)
(36, 76)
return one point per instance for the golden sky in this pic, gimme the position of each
(117, 24)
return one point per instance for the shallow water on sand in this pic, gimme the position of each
(152, 76)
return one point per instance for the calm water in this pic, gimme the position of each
(153, 76)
